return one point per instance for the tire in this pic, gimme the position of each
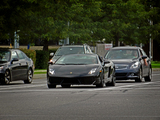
(139, 79)
(29, 77)
(102, 84)
(51, 86)
(149, 77)
(112, 83)
(66, 86)
(7, 77)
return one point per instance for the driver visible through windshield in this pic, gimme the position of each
(122, 54)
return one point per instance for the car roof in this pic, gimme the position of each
(126, 47)
(73, 45)
(93, 54)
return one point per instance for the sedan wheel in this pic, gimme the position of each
(7, 77)
(149, 77)
(140, 76)
(29, 77)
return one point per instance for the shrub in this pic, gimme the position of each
(42, 58)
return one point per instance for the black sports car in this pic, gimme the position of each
(77, 69)
(15, 65)
(130, 63)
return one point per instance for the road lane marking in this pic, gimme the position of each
(70, 89)
(124, 86)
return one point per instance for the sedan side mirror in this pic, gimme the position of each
(106, 61)
(144, 57)
(14, 59)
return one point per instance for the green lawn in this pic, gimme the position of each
(155, 64)
(40, 71)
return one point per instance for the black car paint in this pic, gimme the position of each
(18, 68)
(78, 74)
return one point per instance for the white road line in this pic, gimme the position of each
(124, 86)
(70, 89)
(8, 88)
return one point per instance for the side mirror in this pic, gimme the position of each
(14, 59)
(106, 61)
(51, 54)
(144, 57)
(50, 62)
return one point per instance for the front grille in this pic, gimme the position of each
(121, 74)
(83, 80)
(121, 66)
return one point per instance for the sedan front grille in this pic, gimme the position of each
(121, 74)
(121, 66)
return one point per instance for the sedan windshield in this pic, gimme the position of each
(77, 60)
(69, 50)
(4, 55)
(122, 54)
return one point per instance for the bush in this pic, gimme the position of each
(30, 53)
(42, 58)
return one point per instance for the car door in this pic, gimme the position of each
(15, 66)
(23, 65)
(144, 66)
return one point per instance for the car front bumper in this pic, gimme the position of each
(74, 80)
(127, 74)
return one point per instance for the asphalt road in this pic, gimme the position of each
(126, 101)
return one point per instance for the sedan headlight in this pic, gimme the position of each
(92, 71)
(51, 71)
(135, 65)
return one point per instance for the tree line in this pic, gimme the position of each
(83, 21)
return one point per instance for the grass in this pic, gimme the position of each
(155, 64)
(40, 71)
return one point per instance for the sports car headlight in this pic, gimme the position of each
(135, 65)
(51, 71)
(92, 71)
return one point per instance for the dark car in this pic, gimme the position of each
(15, 65)
(130, 63)
(76, 69)
(70, 49)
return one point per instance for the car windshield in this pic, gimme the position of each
(69, 50)
(4, 55)
(122, 54)
(77, 60)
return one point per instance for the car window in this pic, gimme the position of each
(122, 54)
(77, 59)
(14, 54)
(4, 55)
(143, 53)
(20, 54)
(69, 50)
(87, 50)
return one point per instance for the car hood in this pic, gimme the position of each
(123, 61)
(2, 63)
(72, 69)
